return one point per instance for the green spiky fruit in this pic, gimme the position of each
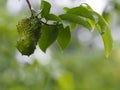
(29, 33)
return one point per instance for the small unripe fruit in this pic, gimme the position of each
(29, 33)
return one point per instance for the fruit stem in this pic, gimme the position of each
(29, 5)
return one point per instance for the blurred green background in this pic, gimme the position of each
(83, 66)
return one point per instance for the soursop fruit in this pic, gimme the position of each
(29, 33)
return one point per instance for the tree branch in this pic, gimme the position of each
(29, 5)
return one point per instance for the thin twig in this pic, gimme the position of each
(29, 5)
(49, 24)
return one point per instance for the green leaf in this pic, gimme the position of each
(101, 24)
(87, 6)
(53, 17)
(81, 11)
(107, 16)
(48, 36)
(76, 19)
(66, 8)
(41, 4)
(45, 6)
(64, 37)
(72, 26)
(103, 28)
(93, 17)
(92, 23)
(108, 42)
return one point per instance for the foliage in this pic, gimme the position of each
(81, 67)
(54, 28)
